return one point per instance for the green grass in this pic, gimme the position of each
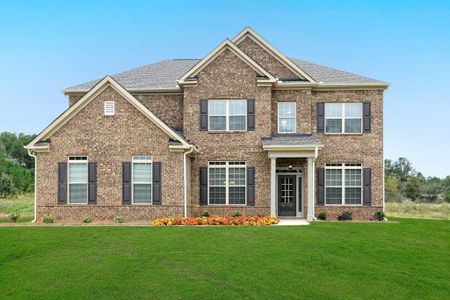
(409, 259)
(22, 204)
(418, 210)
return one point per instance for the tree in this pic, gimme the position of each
(413, 188)
(401, 169)
(392, 189)
(12, 146)
(7, 187)
(432, 188)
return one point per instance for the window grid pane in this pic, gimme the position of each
(352, 125)
(333, 177)
(142, 172)
(142, 193)
(78, 172)
(287, 117)
(237, 122)
(353, 177)
(333, 195)
(353, 110)
(333, 125)
(352, 195)
(217, 195)
(77, 193)
(227, 182)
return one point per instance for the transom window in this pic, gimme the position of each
(78, 179)
(227, 115)
(226, 182)
(142, 180)
(343, 184)
(343, 117)
(287, 117)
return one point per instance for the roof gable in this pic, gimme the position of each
(189, 77)
(250, 33)
(36, 144)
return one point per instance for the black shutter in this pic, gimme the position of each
(367, 186)
(62, 183)
(250, 186)
(203, 185)
(203, 114)
(250, 114)
(320, 186)
(126, 183)
(156, 183)
(320, 110)
(366, 117)
(92, 183)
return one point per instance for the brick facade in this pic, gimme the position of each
(111, 140)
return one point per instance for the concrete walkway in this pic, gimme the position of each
(292, 222)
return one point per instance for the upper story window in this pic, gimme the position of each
(109, 108)
(142, 180)
(343, 117)
(343, 184)
(227, 115)
(226, 182)
(287, 117)
(78, 179)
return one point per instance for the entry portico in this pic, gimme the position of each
(291, 155)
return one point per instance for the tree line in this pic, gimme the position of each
(403, 182)
(16, 166)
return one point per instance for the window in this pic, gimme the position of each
(287, 117)
(226, 182)
(227, 115)
(142, 180)
(343, 117)
(78, 179)
(343, 184)
(110, 108)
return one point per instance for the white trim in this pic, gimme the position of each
(227, 115)
(87, 98)
(227, 167)
(249, 32)
(295, 117)
(185, 180)
(343, 118)
(69, 162)
(30, 153)
(144, 161)
(343, 168)
(227, 44)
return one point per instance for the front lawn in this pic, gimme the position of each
(408, 259)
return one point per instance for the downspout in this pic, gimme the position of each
(185, 183)
(30, 153)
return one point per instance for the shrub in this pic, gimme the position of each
(87, 220)
(250, 221)
(379, 215)
(13, 218)
(322, 216)
(7, 187)
(47, 218)
(119, 219)
(205, 214)
(345, 216)
(236, 214)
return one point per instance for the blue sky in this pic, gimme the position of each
(46, 46)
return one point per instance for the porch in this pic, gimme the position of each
(292, 173)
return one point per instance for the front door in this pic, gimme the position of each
(287, 191)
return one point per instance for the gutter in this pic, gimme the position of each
(33, 154)
(185, 196)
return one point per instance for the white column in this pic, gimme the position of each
(310, 210)
(273, 174)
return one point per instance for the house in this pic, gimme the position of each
(245, 129)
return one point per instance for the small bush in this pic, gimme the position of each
(87, 220)
(236, 214)
(13, 218)
(345, 216)
(47, 218)
(379, 215)
(322, 216)
(205, 214)
(119, 219)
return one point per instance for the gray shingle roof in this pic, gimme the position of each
(296, 140)
(164, 75)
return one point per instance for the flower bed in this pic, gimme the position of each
(237, 221)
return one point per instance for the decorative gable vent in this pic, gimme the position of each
(110, 108)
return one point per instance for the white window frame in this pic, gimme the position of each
(109, 105)
(144, 159)
(343, 168)
(295, 117)
(227, 115)
(72, 160)
(343, 118)
(228, 165)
